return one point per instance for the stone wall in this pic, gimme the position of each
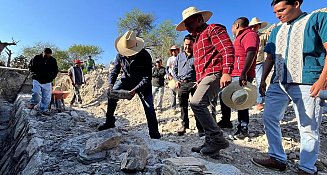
(12, 80)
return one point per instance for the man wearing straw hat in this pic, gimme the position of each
(136, 64)
(213, 61)
(246, 45)
(174, 50)
(256, 24)
(76, 75)
(297, 50)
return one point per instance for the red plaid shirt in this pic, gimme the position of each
(213, 51)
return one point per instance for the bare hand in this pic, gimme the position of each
(225, 80)
(178, 84)
(317, 87)
(195, 85)
(132, 93)
(242, 80)
(262, 88)
(170, 77)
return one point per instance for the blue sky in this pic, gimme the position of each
(67, 22)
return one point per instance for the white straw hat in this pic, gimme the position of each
(172, 84)
(129, 44)
(256, 20)
(239, 98)
(192, 11)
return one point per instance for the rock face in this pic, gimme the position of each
(135, 159)
(65, 143)
(11, 80)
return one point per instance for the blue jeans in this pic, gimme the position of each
(159, 92)
(41, 92)
(258, 74)
(147, 101)
(308, 113)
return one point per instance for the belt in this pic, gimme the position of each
(186, 81)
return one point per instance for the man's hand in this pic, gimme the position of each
(170, 77)
(195, 85)
(242, 80)
(177, 84)
(132, 93)
(110, 88)
(262, 88)
(317, 87)
(225, 80)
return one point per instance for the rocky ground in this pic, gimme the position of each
(130, 115)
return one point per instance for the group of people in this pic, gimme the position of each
(210, 62)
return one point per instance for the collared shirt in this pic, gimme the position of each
(297, 49)
(261, 55)
(184, 67)
(137, 71)
(213, 51)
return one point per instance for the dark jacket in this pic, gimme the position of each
(158, 76)
(44, 70)
(137, 71)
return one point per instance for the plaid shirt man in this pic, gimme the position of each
(213, 51)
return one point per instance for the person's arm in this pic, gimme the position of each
(56, 69)
(220, 39)
(175, 68)
(115, 71)
(269, 63)
(70, 74)
(321, 83)
(250, 43)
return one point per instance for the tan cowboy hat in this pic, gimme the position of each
(192, 11)
(239, 98)
(129, 44)
(172, 84)
(174, 47)
(256, 20)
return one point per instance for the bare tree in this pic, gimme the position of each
(3, 45)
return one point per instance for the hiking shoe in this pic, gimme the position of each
(301, 172)
(181, 131)
(242, 131)
(105, 126)
(198, 148)
(270, 163)
(213, 144)
(225, 124)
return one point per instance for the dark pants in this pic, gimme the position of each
(183, 95)
(77, 95)
(147, 101)
(243, 115)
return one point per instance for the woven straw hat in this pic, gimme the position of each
(192, 11)
(129, 44)
(256, 20)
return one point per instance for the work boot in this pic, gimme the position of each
(213, 144)
(242, 131)
(105, 126)
(181, 131)
(260, 106)
(155, 136)
(197, 149)
(270, 163)
(301, 172)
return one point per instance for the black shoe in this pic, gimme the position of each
(155, 136)
(198, 148)
(213, 144)
(105, 126)
(242, 131)
(225, 124)
(46, 112)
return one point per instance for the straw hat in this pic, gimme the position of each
(239, 98)
(174, 47)
(172, 84)
(256, 20)
(192, 11)
(129, 44)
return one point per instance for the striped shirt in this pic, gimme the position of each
(213, 51)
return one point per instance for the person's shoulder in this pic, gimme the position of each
(216, 26)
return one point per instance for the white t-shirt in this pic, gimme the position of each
(170, 63)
